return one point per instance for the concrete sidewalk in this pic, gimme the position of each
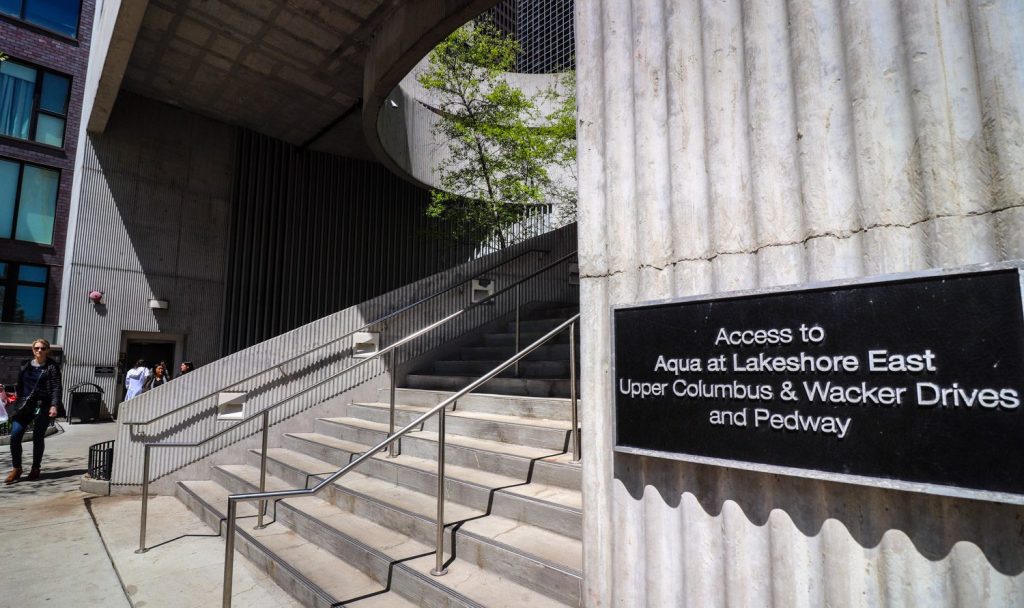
(82, 546)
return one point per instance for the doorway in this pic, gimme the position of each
(151, 348)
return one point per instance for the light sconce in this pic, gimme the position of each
(96, 296)
(158, 304)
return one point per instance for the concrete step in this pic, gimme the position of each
(553, 352)
(550, 467)
(312, 575)
(526, 555)
(550, 507)
(525, 338)
(550, 408)
(548, 434)
(527, 369)
(531, 387)
(538, 325)
(330, 539)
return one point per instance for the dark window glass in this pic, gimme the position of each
(10, 174)
(37, 204)
(60, 16)
(28, 305)
(23, 292)
(33, 103)
(11, 7)
(55, 93)
(33, 190)
(32, 274)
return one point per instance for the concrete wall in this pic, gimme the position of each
(152, 223)
(733, 144)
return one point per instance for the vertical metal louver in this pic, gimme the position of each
(313, 233)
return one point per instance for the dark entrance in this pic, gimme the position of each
(151, 351)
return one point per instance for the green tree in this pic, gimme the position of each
(502, 145)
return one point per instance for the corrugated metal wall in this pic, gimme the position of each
(314, 233)
(317, 358)
(731, 144)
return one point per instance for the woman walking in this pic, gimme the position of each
(39, 394)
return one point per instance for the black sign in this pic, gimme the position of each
(100, 370)
(915, 380)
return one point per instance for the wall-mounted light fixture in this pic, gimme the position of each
(158, 304)
(96, 296)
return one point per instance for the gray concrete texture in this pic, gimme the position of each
(736, 145)
(286, 69)
(62, 546)
(153, 224)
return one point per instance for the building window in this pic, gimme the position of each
(28, 201)
(33, 103)
(23, 292)
(60, 16)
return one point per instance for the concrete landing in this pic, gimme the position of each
(184, 565)
(61, 536)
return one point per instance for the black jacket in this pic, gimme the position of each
(48, 389)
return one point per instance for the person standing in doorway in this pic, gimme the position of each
(39, 394)
(184, 368)
(160, 377)
(135, 379)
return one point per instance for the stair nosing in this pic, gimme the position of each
(423, 519)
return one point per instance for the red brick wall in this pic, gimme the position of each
(27, 43)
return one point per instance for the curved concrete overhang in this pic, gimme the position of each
(406, 123)
(412, 30)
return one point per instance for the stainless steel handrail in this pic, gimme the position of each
(386, 317)
(439, 568)
(264, 413)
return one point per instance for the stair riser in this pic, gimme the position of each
(537, 513)
(541, 577)
(529, 387)
(503, 464)
(369, 562)
(551, 409)
(301, 589)
(535, 325)
(534, 436)
(556, 352)
(525, 339)
(527, 369)
(408, 583)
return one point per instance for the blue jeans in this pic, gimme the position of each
(18, 428)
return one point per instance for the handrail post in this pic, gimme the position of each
(518, 300)
(229, 552)
(439, 569)
(572, 394)
(145, 498)
(263, 471)
(392, 449)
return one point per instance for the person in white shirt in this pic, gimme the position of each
(135, 379)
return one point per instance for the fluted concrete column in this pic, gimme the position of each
(735, 144)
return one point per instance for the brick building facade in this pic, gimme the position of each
(50, 51)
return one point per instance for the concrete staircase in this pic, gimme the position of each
(513, 503)
(543, 373)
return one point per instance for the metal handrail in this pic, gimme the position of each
(439, 569)
(386, 317)
(389, 350)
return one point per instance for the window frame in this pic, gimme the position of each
(17, 200)
(37, 102)
(11, 283)
(20, 18)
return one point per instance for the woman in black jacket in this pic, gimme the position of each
(39, 389)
